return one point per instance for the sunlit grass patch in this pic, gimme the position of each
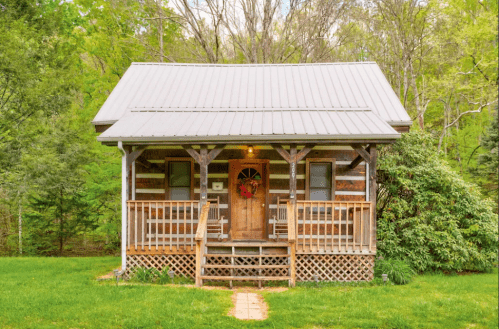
(64, 293)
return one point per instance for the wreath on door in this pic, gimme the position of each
(249, 180)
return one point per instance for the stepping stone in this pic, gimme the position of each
(249, 306)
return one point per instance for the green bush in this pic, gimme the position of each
(398, 271)
(427, 215)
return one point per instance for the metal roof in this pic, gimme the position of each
(256, 87)
(236, 125)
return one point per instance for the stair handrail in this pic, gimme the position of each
(201, 242)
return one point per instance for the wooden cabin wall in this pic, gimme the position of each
(150, 180)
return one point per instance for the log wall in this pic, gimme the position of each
(150, 180)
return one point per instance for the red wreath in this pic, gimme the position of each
(247, 187)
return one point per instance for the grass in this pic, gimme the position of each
(63, 293)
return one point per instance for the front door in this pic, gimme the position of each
(248, 188)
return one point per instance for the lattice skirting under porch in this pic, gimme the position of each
(248, 260)
(183, 265)
(334, 267)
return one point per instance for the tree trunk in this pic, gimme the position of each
(417, 99)
(20, 226)
(61, 226)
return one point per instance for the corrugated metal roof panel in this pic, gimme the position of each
(248, 125)
(332, 86)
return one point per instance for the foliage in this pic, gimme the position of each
(144, 275)
(60, 60)
(398, 271)
(486, 172)
(427, 214)
(152, 275)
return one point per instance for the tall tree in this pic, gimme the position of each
(273, 31)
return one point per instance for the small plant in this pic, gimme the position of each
(152, 275)
(144, 275)
(163, 276)
(399, 272)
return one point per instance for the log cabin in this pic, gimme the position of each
(251, 172)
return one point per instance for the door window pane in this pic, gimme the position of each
(179, 180)
(180, 174)
(320, 194)
(180, 193)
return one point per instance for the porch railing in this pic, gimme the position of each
(201, 237)
(334, 226)
(163, 225)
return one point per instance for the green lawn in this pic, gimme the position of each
(63, 293)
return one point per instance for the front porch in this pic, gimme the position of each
(329, 240)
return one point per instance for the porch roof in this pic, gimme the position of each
(194, 125)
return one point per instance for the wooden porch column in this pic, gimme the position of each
(128, 157)
(372, 188)
(370, 156)
(292, 158)
(124, 196)
(203, 175)
(203, 158)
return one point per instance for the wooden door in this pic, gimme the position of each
(248, 204)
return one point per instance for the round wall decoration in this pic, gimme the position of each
(249, 180)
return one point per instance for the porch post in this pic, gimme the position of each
(372, 188)
(292, 175)
(124, 196)
(293, 157)
(203, 175)
(203, 158)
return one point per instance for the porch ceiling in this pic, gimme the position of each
(193, 125)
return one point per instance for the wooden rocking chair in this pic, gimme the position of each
(280, 226)
(215, 223)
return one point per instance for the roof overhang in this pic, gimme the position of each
(249, 126)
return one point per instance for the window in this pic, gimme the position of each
(179, 184)
(320, 179)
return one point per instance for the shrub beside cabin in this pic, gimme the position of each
(251, 172)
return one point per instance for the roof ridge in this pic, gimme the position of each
(258, 64)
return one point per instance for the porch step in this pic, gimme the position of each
(245, 266)
(247, 244)
(246, 278)
(245, 255)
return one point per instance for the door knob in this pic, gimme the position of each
(263, 204)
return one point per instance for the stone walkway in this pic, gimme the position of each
(249, 306)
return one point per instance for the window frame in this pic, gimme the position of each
(332, 161)
(167, 176)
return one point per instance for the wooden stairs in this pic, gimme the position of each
(246, 261)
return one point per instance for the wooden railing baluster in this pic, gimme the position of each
(163, 230)
(129, 219)
(185, 226)
(178, 226)
(171, 226)
(135, 225)
(361, 228)
(192, 227)
(157, 220)
(143, 220)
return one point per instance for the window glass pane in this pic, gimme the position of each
(180, 193)
(320, 194)
(180, 174)
(320, 175)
